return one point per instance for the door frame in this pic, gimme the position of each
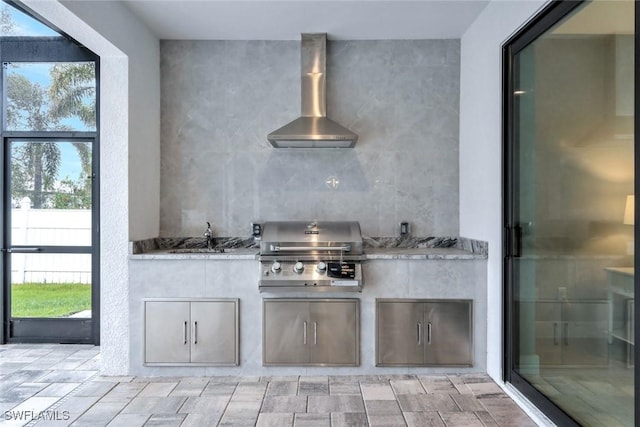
(59, 330)
(538, 25)
(48, 49)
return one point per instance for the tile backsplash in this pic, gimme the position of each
(220, 99)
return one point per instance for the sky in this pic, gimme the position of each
(24, 25)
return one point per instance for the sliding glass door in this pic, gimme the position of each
(570, 212)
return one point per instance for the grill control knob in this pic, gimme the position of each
(276, 267)
(298, 267)
(321, 267)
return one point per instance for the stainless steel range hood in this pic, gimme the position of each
(313, 129)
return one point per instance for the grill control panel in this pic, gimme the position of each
(310, 275)
(344, 270)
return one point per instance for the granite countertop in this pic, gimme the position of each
(421, 253)
(169, 254)
(375, 248)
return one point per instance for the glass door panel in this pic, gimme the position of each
(50, 193)
(50, 285)
(571, 210)
(50, 96)
(49, 256)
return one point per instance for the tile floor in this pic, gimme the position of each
(593, 396)
(59, 385)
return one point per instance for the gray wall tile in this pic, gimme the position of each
(220, 99)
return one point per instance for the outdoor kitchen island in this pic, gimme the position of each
(416, 272)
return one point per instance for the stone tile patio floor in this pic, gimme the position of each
(59, 385)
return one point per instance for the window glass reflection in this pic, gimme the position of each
(575, 207)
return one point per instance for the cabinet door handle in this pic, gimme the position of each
(185, 332)
(195, 332)
(315, 333)
(304, 333)
(429, 333)
(555, 333)
(566, 333)
(419, 333)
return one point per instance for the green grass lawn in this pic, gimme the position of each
(49, 299)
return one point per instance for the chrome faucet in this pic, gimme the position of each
(209, 235)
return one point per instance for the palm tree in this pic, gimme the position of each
(26, 105)
(36, 162)
(31, 162)
(73, 92)
(29, 108)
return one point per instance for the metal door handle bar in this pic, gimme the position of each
(22, 250)
(304, 333)
(185, 332)
(315, 333)
(429, 333)
(195, 332)
(419, 333)
(278, 248)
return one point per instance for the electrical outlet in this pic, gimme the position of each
(562, 293)
(256, 230)
(405, 229)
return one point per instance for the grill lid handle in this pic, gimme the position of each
(278, 248)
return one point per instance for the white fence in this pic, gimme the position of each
(50, 227)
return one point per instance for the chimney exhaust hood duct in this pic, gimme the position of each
(313, 129)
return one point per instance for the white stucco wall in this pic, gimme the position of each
(124, 30)
(129, 134)
(481, 147)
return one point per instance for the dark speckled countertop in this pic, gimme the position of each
(375, 248)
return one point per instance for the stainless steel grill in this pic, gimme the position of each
(311, 256)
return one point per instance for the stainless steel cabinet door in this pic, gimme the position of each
(448, 333)
(167, 332)
(214, 332)
(400, 328)
(584, 333)
(548, 331)
(286, 333)
(333, 333)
